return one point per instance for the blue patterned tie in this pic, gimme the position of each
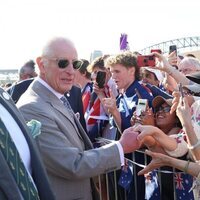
(67, 105)
(17, 168)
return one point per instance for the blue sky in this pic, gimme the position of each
(92, 24)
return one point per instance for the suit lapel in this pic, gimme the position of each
(53, 100)
(86, 140)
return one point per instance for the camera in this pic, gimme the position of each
(145, 61)
(101, 78)
(141, 106)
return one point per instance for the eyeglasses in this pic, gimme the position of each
(163, 109)
(63, 63)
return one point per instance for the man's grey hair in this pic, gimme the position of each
(49, 48)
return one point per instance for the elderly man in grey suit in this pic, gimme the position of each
(19, 155)
(67, 152)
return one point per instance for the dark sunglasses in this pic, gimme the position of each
(163, 109)
(63, 63)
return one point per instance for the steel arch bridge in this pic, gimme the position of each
(191, 43)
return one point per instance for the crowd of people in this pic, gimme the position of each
(58, 119)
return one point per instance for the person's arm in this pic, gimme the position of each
(170, 83)
(159, 160)
(183, 112)
(160, 137)
(170, 70)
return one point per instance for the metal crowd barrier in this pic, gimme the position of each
(110, 191)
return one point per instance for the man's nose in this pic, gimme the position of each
(70, 69)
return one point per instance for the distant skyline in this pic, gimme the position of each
(91, 24)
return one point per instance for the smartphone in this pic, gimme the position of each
(101, 78)
(172, 48)
(147, 60)
(156, 50)
(141, 106)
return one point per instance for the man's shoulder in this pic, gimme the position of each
(74, 93)
(75, 89)
(29, 98)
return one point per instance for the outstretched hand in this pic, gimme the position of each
(175, 102)
(183, 110)
(162, 63)
(158, 160)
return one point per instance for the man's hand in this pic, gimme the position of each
(110, 103)
(129, 140)
(145, 130)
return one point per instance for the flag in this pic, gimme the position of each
(86, 94)
(152, 191)
(126, 176)
(95, 116)
(124, 42)
(183, 184)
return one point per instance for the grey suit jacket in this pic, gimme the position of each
(8, 187)
(65, 148)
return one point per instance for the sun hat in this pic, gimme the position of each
(159, 100)
(195, 77)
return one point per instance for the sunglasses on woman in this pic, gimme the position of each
(163, 109)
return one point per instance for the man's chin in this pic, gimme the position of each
(68, 88)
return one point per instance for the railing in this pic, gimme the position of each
(110, 190)
(181, 43)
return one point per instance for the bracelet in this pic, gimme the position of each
(192, 147)
(186, 167)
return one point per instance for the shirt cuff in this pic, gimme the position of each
(121, 152)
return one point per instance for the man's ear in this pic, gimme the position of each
(40, 64)
(158, 82)
(132, 71)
